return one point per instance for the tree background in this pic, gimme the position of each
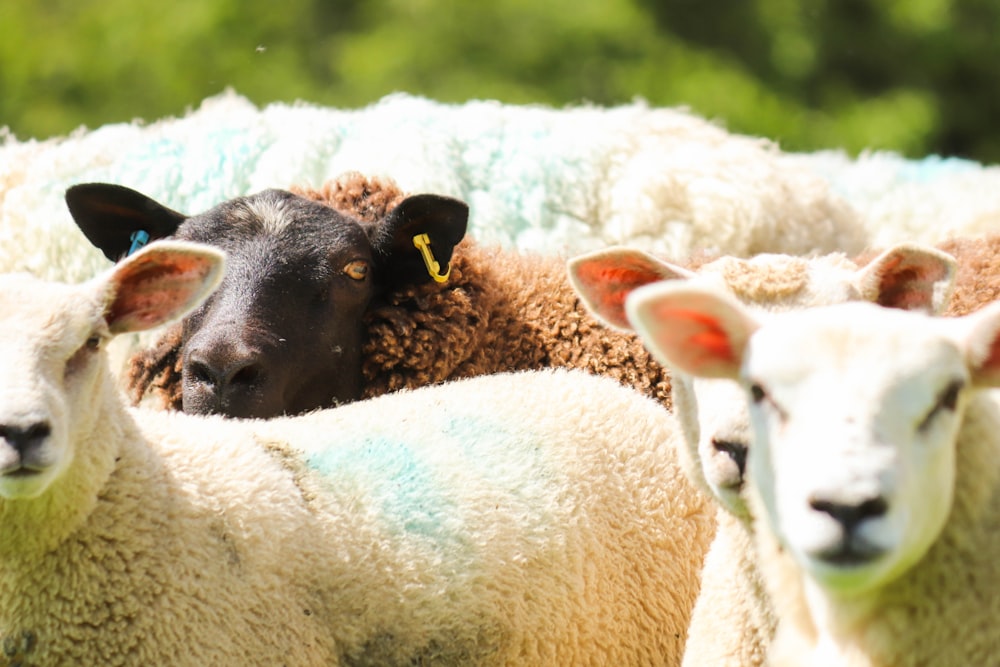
(914, 76)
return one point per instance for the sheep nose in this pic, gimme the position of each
(737, 451)
(24, 439)
(850, 515)
(225, 366)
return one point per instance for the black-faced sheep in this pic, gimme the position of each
(463, 524)
(284, 332)
(873, 476)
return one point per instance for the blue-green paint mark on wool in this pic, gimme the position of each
(488, 442)
(407, 492)
(161, 167)
(504, 454)
(932, 167)
(422, 488)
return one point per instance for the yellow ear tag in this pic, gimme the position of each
(422, 242)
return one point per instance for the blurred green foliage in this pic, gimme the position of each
(914, 76)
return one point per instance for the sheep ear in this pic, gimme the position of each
(981, 338)
(160, 283)
(910, 277)
(603, 279)
(696, 330)
(416, 239)
(109, 215)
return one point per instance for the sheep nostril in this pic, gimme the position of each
(23, 438)
(737, 451)
(849, 515)
(248, 375)
(38, 431)
(201, 373)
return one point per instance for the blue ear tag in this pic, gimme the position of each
(139, 238)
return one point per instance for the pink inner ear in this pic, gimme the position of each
(144, 308)
(609, 285)
(152, 292)
(905, 289)
(616, 275)
(693, 340)
(907, 282)
(715, 343)
(703, 333)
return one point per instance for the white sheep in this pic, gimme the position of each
(533, 519)
(733, 622)
(566, 180)
(873, 472)
(536, 178)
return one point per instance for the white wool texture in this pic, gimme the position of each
(536, 178)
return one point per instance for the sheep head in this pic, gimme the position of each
(284, 332)
(50, 352)
(712, 413)
(855, 411)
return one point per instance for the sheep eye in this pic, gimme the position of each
(948, 400)
(85, 352)
(357, 269)
(758, 395)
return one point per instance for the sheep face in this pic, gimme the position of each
(855, 412)
(284, 332)
(713, 413)
(53, 373)
(48, 346)
(854, 437)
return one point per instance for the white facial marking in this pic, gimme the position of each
(270, 212)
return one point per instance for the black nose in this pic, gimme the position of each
(224, 365)
(25, 438)
(737, 451)
(849, 515)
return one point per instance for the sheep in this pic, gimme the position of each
(459, 524)
(551, 180)
(873, 477)
(732, 622)
(907, 276)
(497, 310)
(926, 200)
(283, 333)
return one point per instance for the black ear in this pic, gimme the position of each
(109, 215)
(437, 223)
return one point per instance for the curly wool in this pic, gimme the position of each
(367, 199)
(977, 281)
(499, 311)
(157, 371)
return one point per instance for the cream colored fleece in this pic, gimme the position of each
(531, 519)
